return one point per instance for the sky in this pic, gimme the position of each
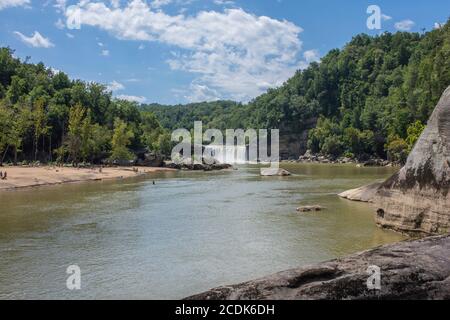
(181, 51)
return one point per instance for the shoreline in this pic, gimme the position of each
(20, 178)
(410, 269)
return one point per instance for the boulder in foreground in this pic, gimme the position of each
(417, 269)
(416, 200)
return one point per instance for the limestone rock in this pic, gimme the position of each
(416, 200)
(270, 172)
(417, 269)
(363, 194)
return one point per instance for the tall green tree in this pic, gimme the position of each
(121, 139)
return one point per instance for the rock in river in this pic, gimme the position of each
(271, 172)
(309, 208)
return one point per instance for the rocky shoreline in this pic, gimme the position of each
(418, 269)
(310, 157)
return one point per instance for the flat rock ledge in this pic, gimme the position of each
(364, 194)
(418, 269)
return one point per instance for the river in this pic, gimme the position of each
(186, 233)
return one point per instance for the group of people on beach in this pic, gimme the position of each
(3, 176)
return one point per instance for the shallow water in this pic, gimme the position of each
(189, 232)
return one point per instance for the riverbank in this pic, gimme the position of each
(27, 177)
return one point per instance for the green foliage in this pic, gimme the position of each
(121, 139)
(75, 139)
(397, 149)
(369, 98)
(374, 88)
(44, 113)
(414, 131)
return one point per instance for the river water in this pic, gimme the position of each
(189, 232)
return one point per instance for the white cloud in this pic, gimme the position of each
(159, 3)
(385, 17)
(311, 56)
(69, 35)
(115, 3)
(131, 98)
(223, 2)
(200, 92)
(233, 53)
(36, 40)
(60, 5)
(438, 25)
(13, 3)
(405, 25)
(105, 53)
(115, 86)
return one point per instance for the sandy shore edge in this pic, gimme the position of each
(29, 177)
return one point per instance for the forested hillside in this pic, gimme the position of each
(45, 116)
(373, 97)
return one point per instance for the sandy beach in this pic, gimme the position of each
(25, 177)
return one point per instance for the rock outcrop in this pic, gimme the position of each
(363, 194)
(409, 270)
(416, 200)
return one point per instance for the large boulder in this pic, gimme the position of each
(408, 270)
(416, 200)
(151, 159)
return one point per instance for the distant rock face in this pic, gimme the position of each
(409, 270)
(416, 200)
(294, 140)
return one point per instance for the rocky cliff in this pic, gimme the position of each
(409, 270)
(416, 200)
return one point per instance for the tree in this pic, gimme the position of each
(121, 139)
(73, 143)
(40, 124)
(151, 131)
(414, 131)
(165, 144)
(397, 149)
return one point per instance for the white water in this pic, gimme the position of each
(227, 154)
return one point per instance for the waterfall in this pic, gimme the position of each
(227, 154)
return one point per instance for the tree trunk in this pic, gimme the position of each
(50, 148)
(36, 142)
(43, 148)
(15, 155)
(4, 155)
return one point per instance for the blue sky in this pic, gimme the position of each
(178, 51)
